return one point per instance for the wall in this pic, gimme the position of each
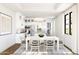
(7, 40)
(78, 28)
(19, 25)
(69, 40)
(59, 26)
(19, 21)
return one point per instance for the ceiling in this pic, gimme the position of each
(38, 9)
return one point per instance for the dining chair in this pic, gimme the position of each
(34, 45)
(42, 46)
(50, 44)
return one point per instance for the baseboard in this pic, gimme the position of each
(70, 49)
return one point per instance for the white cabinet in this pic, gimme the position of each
(20, 38)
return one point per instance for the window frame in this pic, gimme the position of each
(65, 23)
(70, 20)
(70, 17)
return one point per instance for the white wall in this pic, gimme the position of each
(59, 26)
(19, 24)
(69, 40)
(19, 21)
(7, 40)
(78, 28)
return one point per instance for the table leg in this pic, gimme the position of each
(57, 45)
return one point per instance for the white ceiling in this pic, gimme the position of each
(38, 9)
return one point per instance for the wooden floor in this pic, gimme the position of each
(11, 49)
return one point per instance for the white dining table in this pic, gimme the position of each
(43, 38)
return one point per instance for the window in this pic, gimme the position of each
(5, 24)
(68, 23)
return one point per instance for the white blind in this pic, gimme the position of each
(5, 24)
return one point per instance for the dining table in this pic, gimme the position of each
(55, 38)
